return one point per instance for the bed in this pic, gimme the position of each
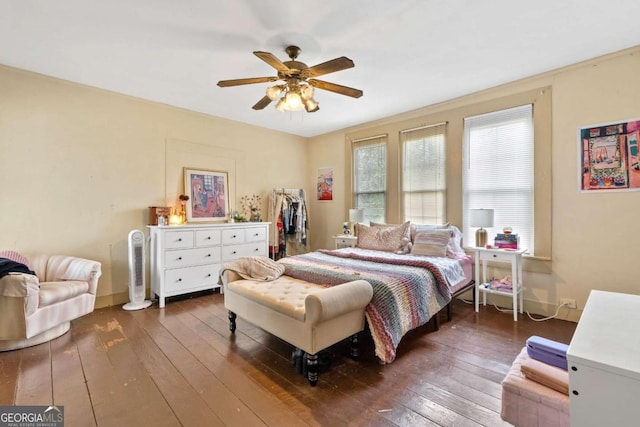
(414, 272)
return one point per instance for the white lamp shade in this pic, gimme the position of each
(481, 217)
(356, 215)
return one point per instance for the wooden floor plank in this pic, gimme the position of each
(121, 390)
(34, 378)
(69, 387)
(184, 400)
(180, 344)
(9, 370)
(181, 366)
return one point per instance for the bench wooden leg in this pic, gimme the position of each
(450, 310)
(312, 369)
(355, 347)
(232, 321)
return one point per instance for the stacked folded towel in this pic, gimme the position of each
(547, 364)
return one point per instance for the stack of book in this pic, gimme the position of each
(506, 241)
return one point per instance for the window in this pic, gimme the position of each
(498, 172)
(370, 176)
(423, 174)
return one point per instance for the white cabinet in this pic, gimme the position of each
(187, 258)
(345, 241)
(513, 257)
(604, 362)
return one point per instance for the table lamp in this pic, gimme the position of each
(481, 218)
(355, 216)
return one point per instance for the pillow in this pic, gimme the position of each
(381, 238)
(455, 246)
(405, 244)
(431, 242)
(15, 256)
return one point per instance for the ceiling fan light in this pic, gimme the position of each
(311, 105)
(307, 92)
(281, 105)
(293, 102)
(274, 92)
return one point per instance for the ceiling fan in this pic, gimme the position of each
(297, 90)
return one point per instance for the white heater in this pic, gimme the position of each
(136, 272)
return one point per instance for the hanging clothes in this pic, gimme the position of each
(288, 212)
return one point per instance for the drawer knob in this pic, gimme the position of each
(575, 392)
(209, 275)
(495, 256)
(256, 249)
(180, 239)
(179, 258)
(209, 238)
(234, 252)
(256, 234)
(208, 254)
(179, 279)
(233, 237)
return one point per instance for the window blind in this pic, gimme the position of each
(423, 174)
(370, 176)
(498, 172)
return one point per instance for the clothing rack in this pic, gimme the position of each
(290, 219)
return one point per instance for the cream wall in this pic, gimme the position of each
(592, 245)
(79, 167)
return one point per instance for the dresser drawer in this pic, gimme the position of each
(497, 256)
(207, 237)
(187, 257)
(255, 235)
(233, 236)
(248, 249)
(178, 239)
(183, 279)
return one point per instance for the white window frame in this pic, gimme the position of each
(506, 181)
(433, 189)
(379, 141)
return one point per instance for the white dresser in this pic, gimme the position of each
(187, 258)
(604, 362)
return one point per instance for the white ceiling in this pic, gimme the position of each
(408, 54)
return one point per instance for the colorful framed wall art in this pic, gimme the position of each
(208, 193)
(609, 158)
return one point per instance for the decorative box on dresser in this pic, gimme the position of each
(187, 258)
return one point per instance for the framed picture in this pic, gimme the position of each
(208, 193)
(609, 157)
(325, 184)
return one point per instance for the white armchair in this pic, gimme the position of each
(36, 309)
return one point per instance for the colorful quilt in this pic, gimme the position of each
(407, 289)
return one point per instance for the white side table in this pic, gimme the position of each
(514, 257)
(345, 241)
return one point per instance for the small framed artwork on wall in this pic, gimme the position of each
(325, 184)
(208, 193)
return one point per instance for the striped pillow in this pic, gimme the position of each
(431, 242)
(14, 256)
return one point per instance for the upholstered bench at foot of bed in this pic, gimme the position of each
(308, 316)
(527, 403)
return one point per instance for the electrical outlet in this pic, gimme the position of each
(568, 302)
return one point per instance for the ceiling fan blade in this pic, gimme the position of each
(332, 87)
(272, 60)
(332, 66)
(262, 103)
(238, 82)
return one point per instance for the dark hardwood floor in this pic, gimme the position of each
(181, 366)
